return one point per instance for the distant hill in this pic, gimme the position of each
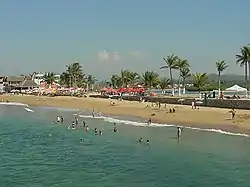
(227, 77)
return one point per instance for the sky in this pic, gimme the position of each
(106, 36)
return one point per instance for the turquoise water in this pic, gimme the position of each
(35, 152)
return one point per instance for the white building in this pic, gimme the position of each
(38, 78)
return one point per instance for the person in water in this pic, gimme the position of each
(93, 113)
(83, 123)
(96, 132)
(100, 132)
(87, 128)
(73, 125)
(76, 119)
(149, 121)
(115, 128)
(178, 133)
(62, 119)
(58, 119)
(140, 140)
(147, 142)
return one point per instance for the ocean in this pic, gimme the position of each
(38, 153)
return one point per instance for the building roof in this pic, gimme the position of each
(15, 78)
(27, 83)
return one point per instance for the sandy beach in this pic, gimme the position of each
(203, 117)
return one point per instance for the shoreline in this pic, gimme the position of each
(204, 118)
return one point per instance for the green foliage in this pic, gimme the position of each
(150, 79)
(49, 78)
(164, 82)
(200, 80)
(73, 76)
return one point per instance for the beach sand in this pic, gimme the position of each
(204, 117)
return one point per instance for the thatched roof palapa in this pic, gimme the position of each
(15, 78)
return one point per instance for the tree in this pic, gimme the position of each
(128, 77)
(199, 80)
(49, 78)
(64, 79)
(171, 63)
(90, 81)
(221, 66)
(163, 83)
(243, 59)
(181, 64)
(75, 73)
(150, 79)
(116, 81)
(185, 73)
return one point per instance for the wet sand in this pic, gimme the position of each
(204, 117)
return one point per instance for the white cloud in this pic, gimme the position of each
(106, 56)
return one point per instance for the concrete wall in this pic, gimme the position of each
(226, 103)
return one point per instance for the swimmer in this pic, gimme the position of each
(73, 125)
(147, 142)
(76, 119)
(149, 121)
(62, 120)
(140, 140)
(87, 128)
(58, 119)
(100, 132)
(178, 132)
(96, 131)
(115, 129)
(81, 139)
(83, 123)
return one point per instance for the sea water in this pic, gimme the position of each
(36, 152)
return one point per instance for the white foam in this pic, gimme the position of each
(144, 124)
(13, 104)
(29, 110)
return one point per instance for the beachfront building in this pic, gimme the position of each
(2, 83)
(27, 84)
(38, 78)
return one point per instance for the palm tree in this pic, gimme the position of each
(90, 81)
(185, 73)
(125, 76)
(181, 64)
(49, 78)
(163, 83)
(116, 81)
(64, 79)
(221, 66)
(243, 59)
(171, 63)
(150, 79)
(199, 80)
(75, 73)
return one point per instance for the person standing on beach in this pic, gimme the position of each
(93, 113)
(233, 112)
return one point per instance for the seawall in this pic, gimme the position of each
(219, 103)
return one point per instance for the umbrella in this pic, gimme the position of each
(199, 102)
(181, 100)
(105, 89)
(121, 90)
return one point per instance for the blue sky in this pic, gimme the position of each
(107, 35)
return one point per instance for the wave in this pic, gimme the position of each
(29, 110)
(144, 124)
(13, 104)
